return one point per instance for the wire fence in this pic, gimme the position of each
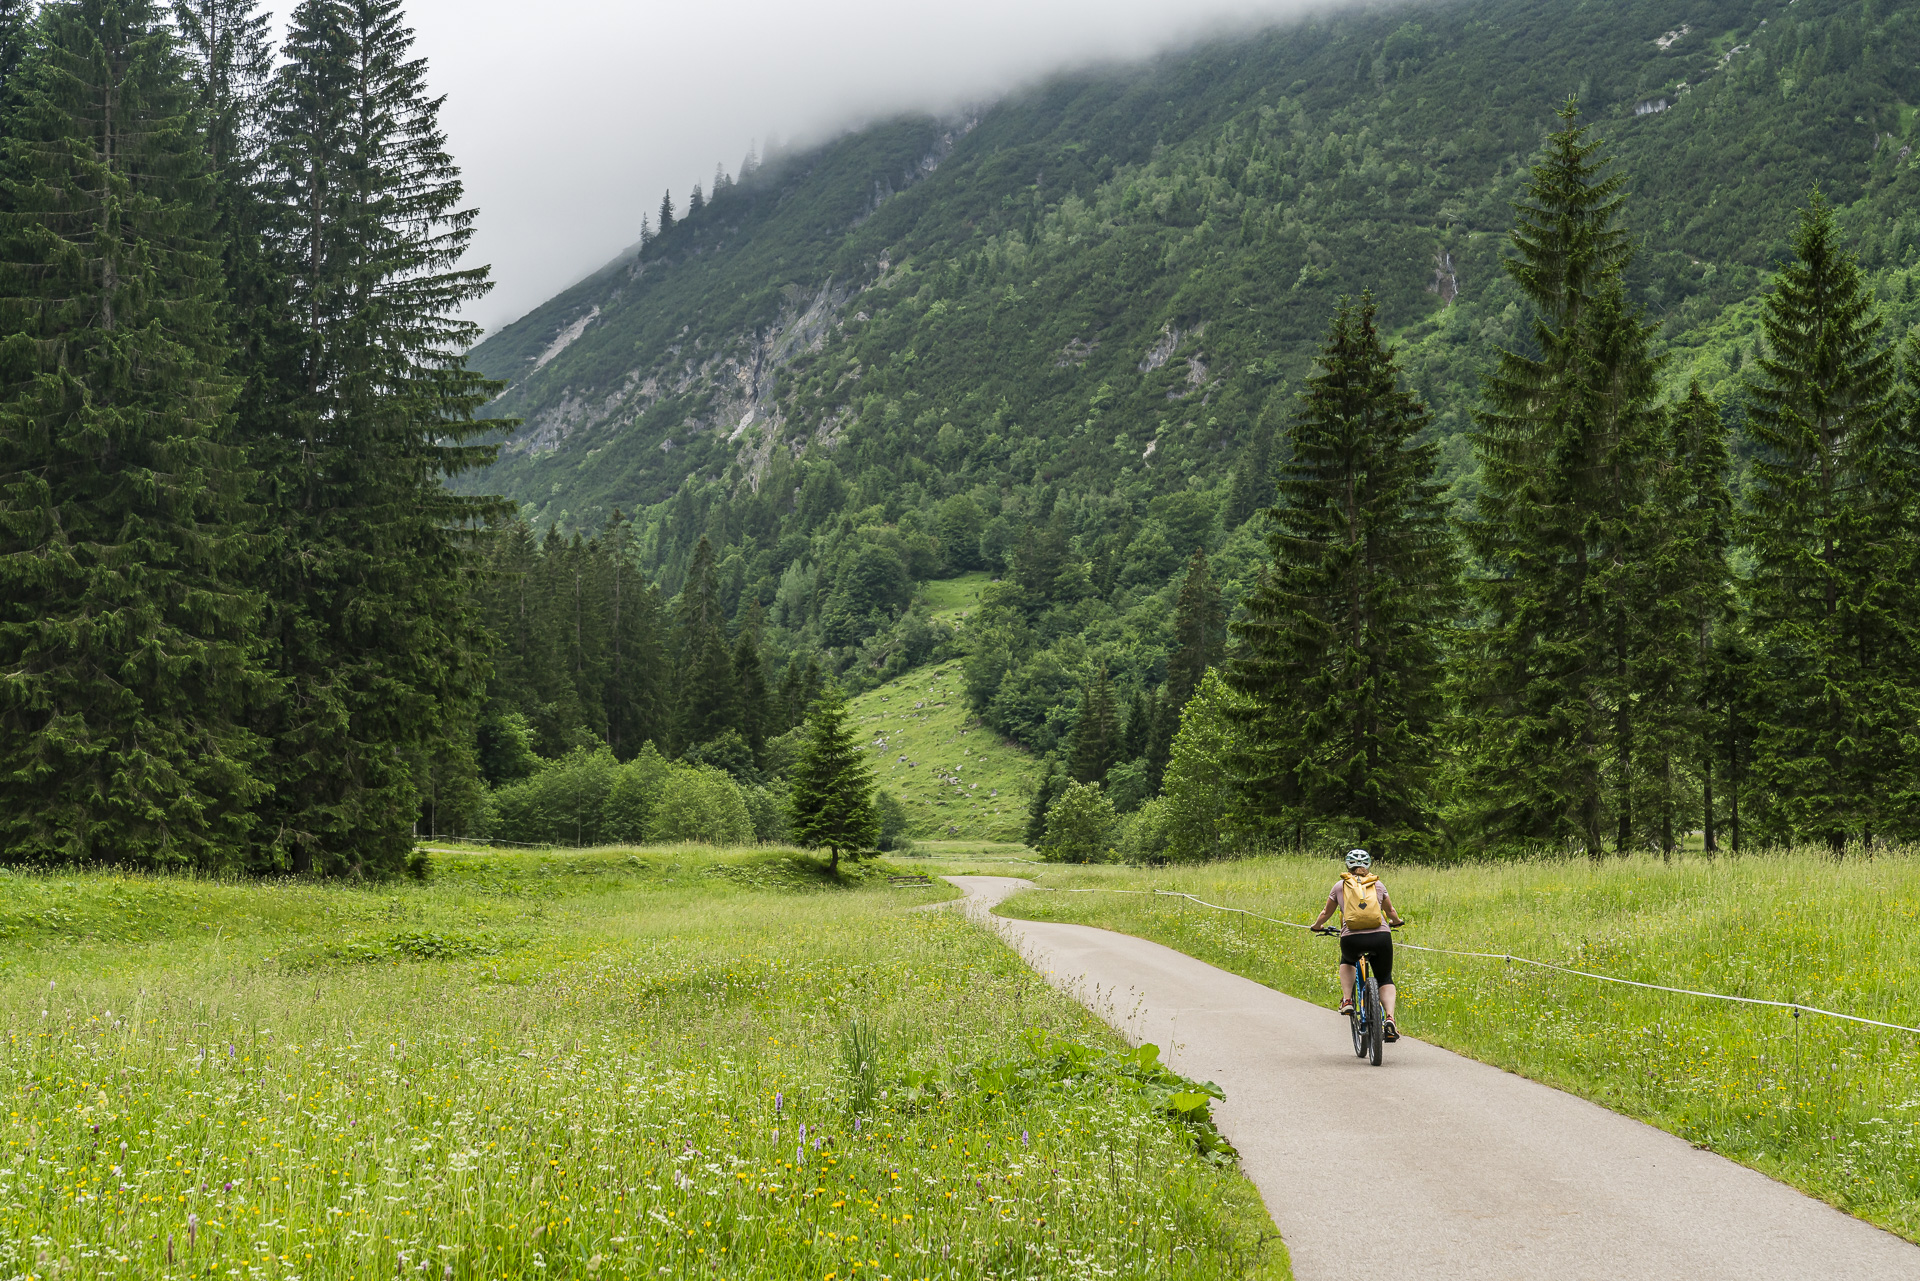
(1797, 1008)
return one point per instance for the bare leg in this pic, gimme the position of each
(1386, 997)
(1346, 982)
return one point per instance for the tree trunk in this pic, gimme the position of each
(833, 864)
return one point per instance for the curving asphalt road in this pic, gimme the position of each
(1471, 1173)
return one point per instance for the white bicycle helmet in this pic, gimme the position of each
(1357, 859)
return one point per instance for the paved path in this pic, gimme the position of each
(1472, 1172)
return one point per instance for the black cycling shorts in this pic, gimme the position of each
(1379, 949)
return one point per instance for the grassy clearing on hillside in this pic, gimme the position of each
(1829, 1106)
(958, 780)
(660, 1062)
(952, 600)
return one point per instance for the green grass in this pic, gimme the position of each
(952, 600)
(1831, 1107)
(591, 1064)
(959, 780)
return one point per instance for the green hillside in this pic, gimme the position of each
(958, 780)
(971, 393)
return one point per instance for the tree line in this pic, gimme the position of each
(237, 622)
(1612, 649)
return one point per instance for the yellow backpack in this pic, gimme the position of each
(1360, 902)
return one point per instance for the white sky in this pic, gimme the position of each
(570, 117)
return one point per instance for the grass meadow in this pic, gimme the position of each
(1829, 1106)
(958, 780)
(662, 1062)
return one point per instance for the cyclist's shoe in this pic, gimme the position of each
(1346, 1007)
(1390, 1032)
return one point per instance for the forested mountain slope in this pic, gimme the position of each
(1073, 320)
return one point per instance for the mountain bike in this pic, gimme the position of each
(1369, 1016)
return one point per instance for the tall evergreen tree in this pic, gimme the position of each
(1682, 615)
(705, 664)
(637, 696)
(1829, 530)
(230, 61)
(751, 706)
(369, 410)
(16, 18)
(1341, 649)
(832, 800)
(1252, 490)
(127, 663)
(1045, 793)
(1096, 735)
(666, 215)
(1564, 438)
(1199, 631)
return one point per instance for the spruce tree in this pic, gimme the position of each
(127, 659)
(666, 215)
(368, 409)
(705, 663)
(832, 798)
(1682, 615)
(637, 694)
(751, 706)
(1564, 438)
(230, 62)
(1252, 490)
(1829, 530)
(16, 26)
(1341, 650)
(1199, 631)
(1096, 735)
(1051, 784)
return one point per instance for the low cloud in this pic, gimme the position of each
(570, 118)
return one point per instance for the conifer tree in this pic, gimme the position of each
(1252, 489)
(230, 62)
(695, 202)
(832, 799)
(666, 215)
(15, 35)
(1829, 526)
(1341, 650)
(1565, 439)
(368, 410)
(706, 665)
(1051, 784)
(636, 695)
(127, 660)
(1682, 615)
(1199, 631)
(750, 703)
(1096, 735)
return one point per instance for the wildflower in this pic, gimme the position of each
(777, 1099)
(193, 1229)
(1023, 1139)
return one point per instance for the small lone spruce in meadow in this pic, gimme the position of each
(833, 785)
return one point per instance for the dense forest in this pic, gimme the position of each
(1347, 448)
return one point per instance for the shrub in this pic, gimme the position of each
(561, 804)
(700, 803)
(635, 793)
(1080, 826)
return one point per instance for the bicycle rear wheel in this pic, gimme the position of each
(1376, 1023)
(1359, 1016)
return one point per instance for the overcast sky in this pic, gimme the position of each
(570, 117)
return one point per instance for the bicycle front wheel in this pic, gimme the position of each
(1376, 1024)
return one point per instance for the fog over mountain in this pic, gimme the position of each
(570, 119)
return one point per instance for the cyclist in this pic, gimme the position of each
(1376, 942)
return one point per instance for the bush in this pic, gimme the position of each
(700, 803)
(893, 822)
(1080, 826)
(768, 806)
(1143, 837)
(561, 804)
(635, 792)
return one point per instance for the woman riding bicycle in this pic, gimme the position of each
(1376, 941)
